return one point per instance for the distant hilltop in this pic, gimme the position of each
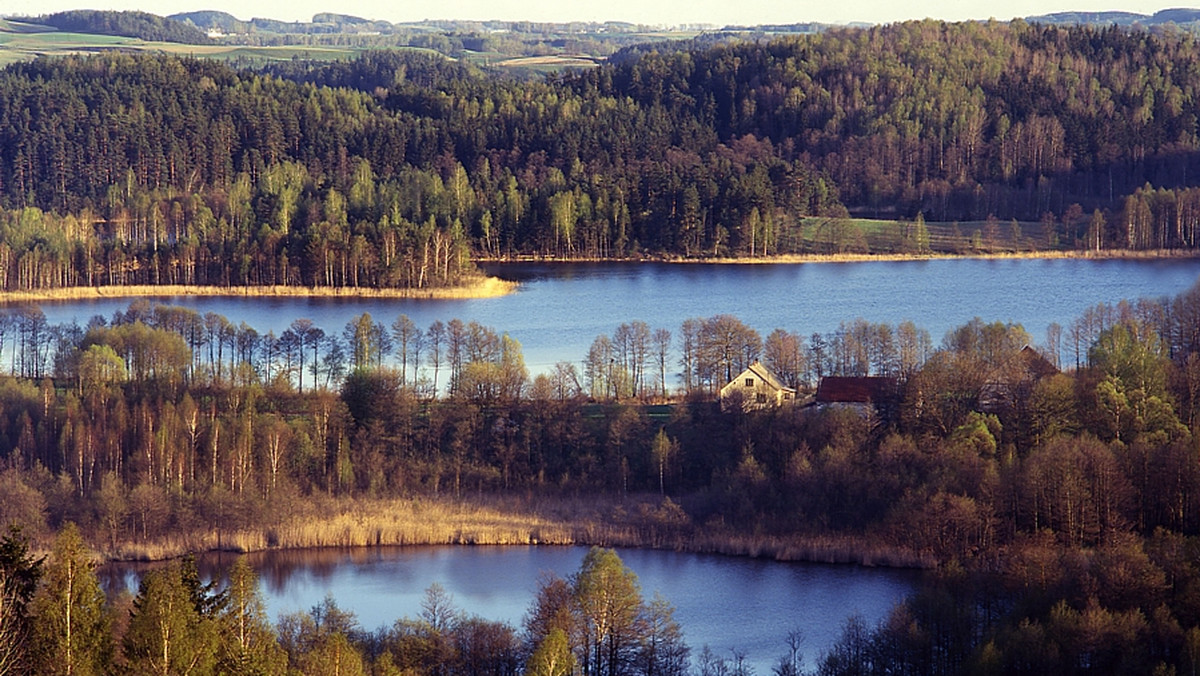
(127, 24)
(1181, 16)
(325, 22)
(329, 22)
(201, 27)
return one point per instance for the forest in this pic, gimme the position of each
(1057, 504)
(1051, 485)
(393, 169)
(131, 24)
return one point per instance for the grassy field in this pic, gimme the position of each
(529, 64)
(882, 237)
(22, 42)
(7, 26)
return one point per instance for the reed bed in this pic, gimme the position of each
(635, 523)
(481, 287)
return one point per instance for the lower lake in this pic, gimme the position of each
(560, 308)
(727, 603)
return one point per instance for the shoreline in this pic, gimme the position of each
(494, 287)
(486, 287)
(1108, 254)
(424, 522)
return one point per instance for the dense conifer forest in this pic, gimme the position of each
(392, 169)
(130, 24)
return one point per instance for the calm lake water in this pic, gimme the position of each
(561, 307)
(726, 603)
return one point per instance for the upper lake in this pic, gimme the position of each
(560, 308)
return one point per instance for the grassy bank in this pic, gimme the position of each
(646, 523)
(483, 287)
(1107, 254)
(1001, 255)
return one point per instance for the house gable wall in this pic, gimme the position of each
(755, 388)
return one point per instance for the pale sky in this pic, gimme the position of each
(662, 12)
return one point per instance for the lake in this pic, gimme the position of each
(726, 603)
(561, 307)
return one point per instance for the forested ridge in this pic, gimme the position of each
(158, 169)
(130, 24)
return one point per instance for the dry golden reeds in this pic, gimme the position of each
(560, 521)
(480, 287)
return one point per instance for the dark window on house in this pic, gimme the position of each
(762, 398)
(749, 382)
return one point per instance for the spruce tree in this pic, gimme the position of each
(19, 575)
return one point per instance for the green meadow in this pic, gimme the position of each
(22, 42)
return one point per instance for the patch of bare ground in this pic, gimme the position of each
(554, 60)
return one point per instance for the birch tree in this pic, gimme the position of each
(71, 626)
(608, 601)
(167, 632)
(248, 643)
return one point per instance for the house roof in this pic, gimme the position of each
(1037, 365)
(763, 373)
(758, 369)
(854, 389)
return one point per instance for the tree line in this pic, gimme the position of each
(387, 408)
(183, 372)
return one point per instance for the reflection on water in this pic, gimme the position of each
(724, 602)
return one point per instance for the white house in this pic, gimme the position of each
(754, 388)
